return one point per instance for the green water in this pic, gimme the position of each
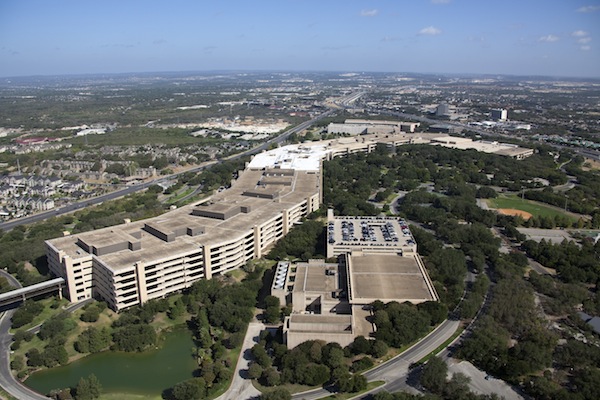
(147, 373)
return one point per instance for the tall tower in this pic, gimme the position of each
(499, 114)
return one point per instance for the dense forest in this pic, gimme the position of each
(529, 329)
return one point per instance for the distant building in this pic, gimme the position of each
(444, 128)
(364, 126)
(442, 110)
(499, 114)
(91, 131)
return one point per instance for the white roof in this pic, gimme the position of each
(301, 157)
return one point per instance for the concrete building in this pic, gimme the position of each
(371, 235)
(445, 128)
(330, 300)
(499, 114)
(132, 263)
(366, 126)
(503, 149)
(442, 110)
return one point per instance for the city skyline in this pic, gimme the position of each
(546, 38)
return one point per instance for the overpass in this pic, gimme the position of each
(24, 293)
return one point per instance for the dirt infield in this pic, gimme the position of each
(511, 211)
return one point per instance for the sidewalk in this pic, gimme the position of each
(241, 387)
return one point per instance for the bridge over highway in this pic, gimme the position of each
(22, 294)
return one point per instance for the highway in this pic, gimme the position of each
(7, 226)
(15, 388)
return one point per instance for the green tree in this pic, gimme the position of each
(90, 314)
(177, 309)
(434, 374)
(88, 388)
(254, 370)
(134, 337)
(188, 390)
(378, 348)
(277, 394)
(17, 363)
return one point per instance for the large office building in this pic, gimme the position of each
(377, 260)
(368, 126)
(132, 263)
(499, 114)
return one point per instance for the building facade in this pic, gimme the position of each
(132, 263)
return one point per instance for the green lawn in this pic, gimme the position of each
(532, 207)
(47, 313)
(342, 396)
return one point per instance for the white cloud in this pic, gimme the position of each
(588, 9)
(369, 13)
(584, 40)
(440, 1)
(430, 31)
(390, 39)
(586, 48)
(548, 38)
(579, 33)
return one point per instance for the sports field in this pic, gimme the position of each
(517, 203)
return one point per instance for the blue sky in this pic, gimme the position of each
(518, 37)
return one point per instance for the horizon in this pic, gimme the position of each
(459, 75)
(513, 38)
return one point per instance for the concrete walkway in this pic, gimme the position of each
(241, 387)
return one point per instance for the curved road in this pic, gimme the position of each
(7, 381)
(395, 371)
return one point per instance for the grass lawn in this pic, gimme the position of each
(291, 387)
(534, 208)
(6, 396)
(47, 313)
(342, 396)
(128, 396)
(179, 195)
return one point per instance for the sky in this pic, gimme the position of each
(558, 38)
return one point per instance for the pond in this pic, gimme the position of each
(147, 373)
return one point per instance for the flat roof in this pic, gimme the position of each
(153, 249)
(387, 234)
(297, 157)
(387, 278)
(312, 277)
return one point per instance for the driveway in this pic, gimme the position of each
(241, 387)
(479, 384)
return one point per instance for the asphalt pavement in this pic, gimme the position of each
(480, 382)
(396, 371)
(7, 381)
(7, 226)
(241, 387)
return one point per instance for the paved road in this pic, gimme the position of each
(7, 381)
(395, 371)
(7, 226)
(241, 387)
